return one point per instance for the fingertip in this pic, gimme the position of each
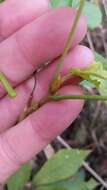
(78, 57)
(43, 6)
(85, 55)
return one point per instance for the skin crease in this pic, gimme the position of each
(20, 48)
(43, 39)
(19, 14)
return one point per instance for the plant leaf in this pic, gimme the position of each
(103, 86)
(69, 184)
(92, 184)
(103, 89)
(93, 15)
(63, 165)
(95, 74)
(91, 11)
(100, 58)
(74, 183)
(19, 179)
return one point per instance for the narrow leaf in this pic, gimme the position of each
(20, 178)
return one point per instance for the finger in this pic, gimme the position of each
(15, 14)
(41, 41)
(42, 84)
(11, 108)
(38, 130)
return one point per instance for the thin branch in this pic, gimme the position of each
(93, 173)
(49, 151)
(105, 5)
(96, 115)
(90, 41)
(63, 142)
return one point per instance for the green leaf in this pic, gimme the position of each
(103, 87)
(74, 183)
(75, 4)
(65, 185)
(103, 61)
(95, 74)
(91, 11)
(77, 182)
(92, 184)
(63, 165)
(100, 58)
(93, 15)
(19, 179)
(60, 3)
(86, 84)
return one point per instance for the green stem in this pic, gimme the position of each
(70, 39)
(78, 97)
(7, 86)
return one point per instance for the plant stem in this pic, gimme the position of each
(77, 97)
(7, 86)
(70, 39)
(37, 105)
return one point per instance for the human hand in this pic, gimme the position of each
(30, 35)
